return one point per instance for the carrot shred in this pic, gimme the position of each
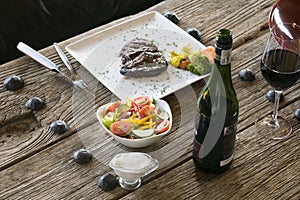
(184, 63)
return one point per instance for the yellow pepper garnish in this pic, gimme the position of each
(184, 56)
(147, 119)
(136, 122)
(147, 126)
(173, 54)
(128, 102)
(132, 120)
(175, 61)
(177, 58)
(143, 120)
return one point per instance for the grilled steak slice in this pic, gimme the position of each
(138, 45)
(141, 58)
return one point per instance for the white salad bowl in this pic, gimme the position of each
(140, 142)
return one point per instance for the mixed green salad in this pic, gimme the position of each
(140, 117)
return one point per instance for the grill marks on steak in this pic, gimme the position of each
(141, 58)
(138, 45)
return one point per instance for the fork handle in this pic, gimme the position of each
(65, 60)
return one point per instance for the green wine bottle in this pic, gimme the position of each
(217, 112)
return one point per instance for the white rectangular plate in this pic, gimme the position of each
(99, 54)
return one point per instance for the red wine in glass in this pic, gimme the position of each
(280, 66)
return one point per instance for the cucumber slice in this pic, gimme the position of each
(143, 133)
(162, 114)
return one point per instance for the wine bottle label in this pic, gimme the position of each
(225, 57)
(228, 144)
(223, 151)
(226, 161)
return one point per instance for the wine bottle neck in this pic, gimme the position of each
(221, 72)
(222, 56)
(222, 62)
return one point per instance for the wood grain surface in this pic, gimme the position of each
(36, 163)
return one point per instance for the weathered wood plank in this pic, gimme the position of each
(16, 139)
(55, 176)
(244, 18)
(88, 138)
(262, 169)
(59, 95)
(54, 169)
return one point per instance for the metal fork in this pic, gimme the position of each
(79, 84)
(63, 57)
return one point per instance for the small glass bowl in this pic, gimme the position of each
(131, 167)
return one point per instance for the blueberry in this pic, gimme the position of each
(107, 182)
(271, 96)
(13, 83)
(297, 113)
(82, 156)
(172, 17)
(195, 33)
(35, 103)
(246, 75)
(59, 126)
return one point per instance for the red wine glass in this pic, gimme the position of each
(280, 66)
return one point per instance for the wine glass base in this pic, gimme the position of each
(279, 130)
(130, 185)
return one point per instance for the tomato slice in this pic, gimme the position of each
(112, 107)
(163, 126)
(120, 128)
(146, 110)
(142, 100)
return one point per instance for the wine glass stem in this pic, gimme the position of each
(276, 106)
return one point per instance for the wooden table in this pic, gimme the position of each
(37, 164)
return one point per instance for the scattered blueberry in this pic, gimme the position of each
(13, 83)
(82, 156)
(246, 75)
(195, 33)
(172, 17)
(271, 96)
(59, 126)
(297, 113)
(35, 103)
(107, 182)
